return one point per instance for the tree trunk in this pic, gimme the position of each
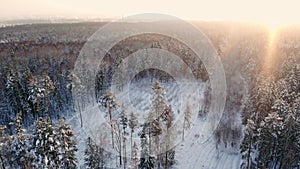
(111, 125)
(131, 143)
(166, 163)
(124, 149)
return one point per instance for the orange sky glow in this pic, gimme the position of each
(272, 13)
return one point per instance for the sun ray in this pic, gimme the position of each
(270, 56)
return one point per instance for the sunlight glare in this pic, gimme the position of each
(271, 53)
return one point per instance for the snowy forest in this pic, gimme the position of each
(48, 118)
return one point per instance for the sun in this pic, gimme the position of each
(273, 26)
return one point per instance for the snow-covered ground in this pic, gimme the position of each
(198, 150)
(195, 154)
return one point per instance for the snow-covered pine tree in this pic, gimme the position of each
(132, 123)
(91, 155)
(67, 145)
(48, 87)
(21, 144)
(18, 152)
(146, 161)
(76, 87)
(287, 105)
(158, 106)
(274, 109)
(118, 142)
(158, 99)
(16, 92)
(109, 101)
(289, 148)
(11, 88)
(248, 146)
(39, 89)
(166, 159)
(124, 123)
(95, 156)
(134, 157)
(258, 103)
(154, 131)
(256, 108)
(44, 145)
(268, 140)
(186, 120)
(27, 112)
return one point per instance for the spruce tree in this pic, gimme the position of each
(67, 145)
(45, 147)
(93, 155)
(287, 106)
(146, 160)
(19, 150)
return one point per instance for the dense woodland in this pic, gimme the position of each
(261, 120)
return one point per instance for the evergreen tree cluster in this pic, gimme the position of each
(272, 121)
(46, 146)
(95, 156)
(156, 147)
(35, 91)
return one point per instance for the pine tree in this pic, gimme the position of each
(289, 148)
(169, 152)
(132, 123)
(186, 120)
(67, 145)
(154, 130)
(158, 99)
(158, 106)
(287, 105)
(124, 124)
(146, 160)
(108, 100)
(18, 154)
(27, 109)
(45, 147)
(47, 84)
(168, 159)
(268, 140)
(248, 146)
(39, 89)
(257, 107)
(16, 85)
(94, 155)
(134, 157)
(90, 158)
(273, 110)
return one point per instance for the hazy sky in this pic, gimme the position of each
(270, 12)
